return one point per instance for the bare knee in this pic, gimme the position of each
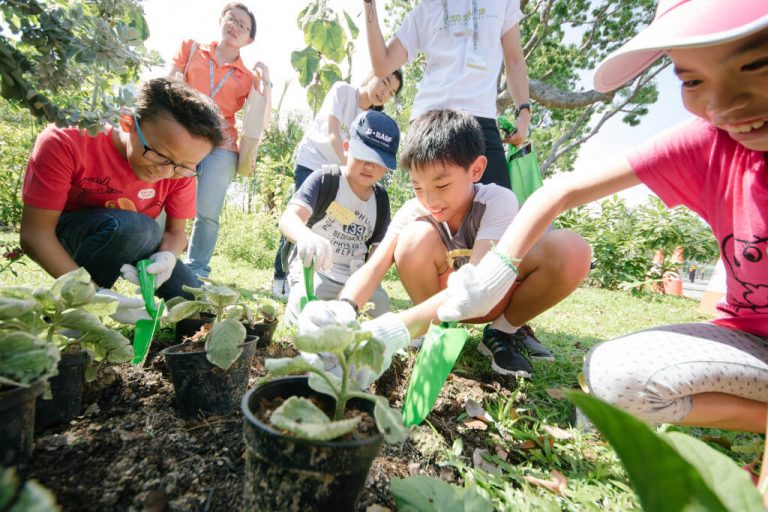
(562, 254)
(419, 245)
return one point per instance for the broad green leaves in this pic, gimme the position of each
(288, 366)
(426, 494)
(304, 419)
(671, 472)
(328, 44)
(25, 358)
(330, 338)
(389, 421)
(224, 343)
(30, 497)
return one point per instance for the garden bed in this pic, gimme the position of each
(129, 450)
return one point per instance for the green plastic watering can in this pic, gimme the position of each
(436, 359)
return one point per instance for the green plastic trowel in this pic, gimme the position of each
(437, 356)
(309, 286)
(145, 329)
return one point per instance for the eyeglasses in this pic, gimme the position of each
(160, 159)
(242, 27)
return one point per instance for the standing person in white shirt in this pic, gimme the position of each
(322, 143)
(465, 43)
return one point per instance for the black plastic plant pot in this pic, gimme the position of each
(264, 331)
(289, 473)
(202, 388)
(67, 391)
(189, 326)
(17, 423)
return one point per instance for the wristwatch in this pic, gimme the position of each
(524, 106)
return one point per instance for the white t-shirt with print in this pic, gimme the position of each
(491, 212)
(315, 149)
(348, 239)
(448, 82)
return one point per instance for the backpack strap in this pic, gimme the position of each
(382, 213)
(192, 50)
(329, 187)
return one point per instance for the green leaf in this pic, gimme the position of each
(664, 480)
(306, 63)
(75, 293)
(13, 308)
(107, 344)
(328, 75)
(79, 319)
(34, 498)
(320, 385)
(425, 494)
(304, 419)
(328, 37)
(101, 306)
(389, 421)
(25, 358)
(8, 484)
(17, 292)
(78, 276)
(370, 355)
(287, 366)
(220, 296)
(353, 30)
(224, 343)
(184, 310)
(315, 94)
(729, 482)
(329, 338)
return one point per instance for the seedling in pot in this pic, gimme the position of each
(67, 316)
(360, 357)
(223, 342)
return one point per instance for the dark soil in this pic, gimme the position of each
(129, 451)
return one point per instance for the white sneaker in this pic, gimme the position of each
(280, 288)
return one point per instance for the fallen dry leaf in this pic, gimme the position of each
(558, 433)
(556, 485)
(556, 393)
(526, 445)
(500, 453)
(475, 410)
(475, 424)
(377, 508)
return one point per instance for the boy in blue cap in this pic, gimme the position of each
(337, 233)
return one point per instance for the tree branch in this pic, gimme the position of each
(552, 97)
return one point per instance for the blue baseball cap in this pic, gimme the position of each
(375, 137)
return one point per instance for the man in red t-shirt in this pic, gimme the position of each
(90, 201)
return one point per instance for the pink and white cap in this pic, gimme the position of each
(681, 24)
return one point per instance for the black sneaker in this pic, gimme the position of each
(504, 351)
(533, 346)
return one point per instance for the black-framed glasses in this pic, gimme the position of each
(159, 159)
(242, 27)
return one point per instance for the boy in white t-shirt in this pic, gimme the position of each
(323, 139)
(339, 241)
(454, 220)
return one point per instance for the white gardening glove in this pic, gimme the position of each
(474, 290)
(319, 313)
(129, 309)
(315, 247)
(162, 266)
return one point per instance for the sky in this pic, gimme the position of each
(172, 21)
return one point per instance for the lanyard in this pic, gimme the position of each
(475, 16)
(215, 91)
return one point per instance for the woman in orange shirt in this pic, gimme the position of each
(217, 70)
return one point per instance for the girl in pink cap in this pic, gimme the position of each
(711, 374)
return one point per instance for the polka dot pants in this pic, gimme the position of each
(653, 374)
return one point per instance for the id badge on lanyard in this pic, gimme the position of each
(472, 56)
